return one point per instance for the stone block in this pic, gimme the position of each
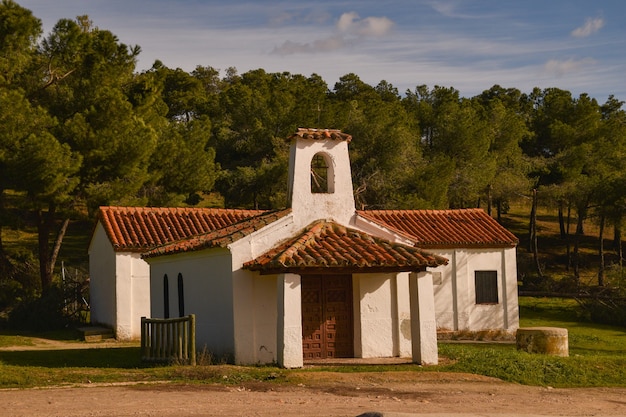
(547, 340)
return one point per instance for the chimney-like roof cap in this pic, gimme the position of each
(320, 134)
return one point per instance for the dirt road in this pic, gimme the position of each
(322, 394)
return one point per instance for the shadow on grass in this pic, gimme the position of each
(123, 357)
(63, 335)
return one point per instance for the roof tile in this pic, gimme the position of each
(444, 228)
(136, 229)
(328, 245)
(320, 134)
(219, 237)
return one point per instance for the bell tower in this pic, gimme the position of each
(320, 179)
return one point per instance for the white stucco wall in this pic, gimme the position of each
(131, 294)
(423, 325)
(102, 279)
(455, 296)
(338, 204)
(140, 295)
(118, 286)
(255, 317)
(403, 316)
(289, 321)
(375, 318)
(208, 293)
(510, 295)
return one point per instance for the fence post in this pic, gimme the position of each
(144, 338)
(192, 339)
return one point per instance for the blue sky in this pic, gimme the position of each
(575, 45)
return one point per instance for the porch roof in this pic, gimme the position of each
(444, 228)
(327, 247)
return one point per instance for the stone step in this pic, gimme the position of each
(96, 333)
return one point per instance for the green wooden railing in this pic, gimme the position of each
(169, 340)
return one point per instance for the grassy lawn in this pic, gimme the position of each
(597, 352)
(597, 358)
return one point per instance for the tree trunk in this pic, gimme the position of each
(533, 234)
(2, 254)
(621, 262)
(489, 202)
(617, 234)
(617, 245)
(561, 221)
(601, 268)
(57, 245)
(532, 224)
(568, 250)
(6, 268)
(576, 254)
(45, 222)
(499, 206)
(582, 214)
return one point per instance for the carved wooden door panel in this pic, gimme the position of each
(327, 325)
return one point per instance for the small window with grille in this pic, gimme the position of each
(486, 283)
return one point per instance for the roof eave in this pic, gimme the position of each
(325, 270)
(504, 245)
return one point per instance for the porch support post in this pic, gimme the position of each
(423, 324)
(289, 321)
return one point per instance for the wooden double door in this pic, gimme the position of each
(327, 317)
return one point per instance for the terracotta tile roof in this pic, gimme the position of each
(136, 229)
(319, 134)
(444, 228)
(330, 247)
(220, 237)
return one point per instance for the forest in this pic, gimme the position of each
(80, 127)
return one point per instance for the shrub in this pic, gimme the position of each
(39, 314)
(605, 309)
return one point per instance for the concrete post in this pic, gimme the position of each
(423, 324)
(289, 321)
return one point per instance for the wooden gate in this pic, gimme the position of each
(327, 323)
(169, 340)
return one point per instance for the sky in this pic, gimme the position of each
(470, 45)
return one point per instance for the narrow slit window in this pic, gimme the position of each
(319, 174)
(166, 297)
(181, 296)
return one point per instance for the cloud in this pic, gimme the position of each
(351, 28)
(314, 17)
(591, 26)
(559, 68)
(370, 26)
(445, 8)
(321, 45)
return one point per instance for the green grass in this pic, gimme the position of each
(508, 364)
(585, 337)
(597, 352)
(24, 369)
(597, 358)
(15, 340)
